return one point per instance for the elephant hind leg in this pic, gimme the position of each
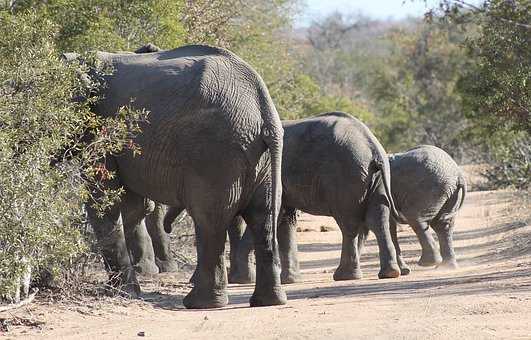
(349, 265)
(258, 216)
(430, 254)
(444, 232)
(404, 268)
(287, 243)
(210, 276)
(160, 239)
(377, 219)
(242, 269)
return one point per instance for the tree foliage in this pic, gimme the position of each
(109, 25)
(41, 194)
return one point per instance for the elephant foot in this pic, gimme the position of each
(390, 272)
(249, 276)
(124, 284)
(194, 277)
(404, 268)
(429, 260)
(342, 274)
(290, 277)
(197, 299)
(448, 264)
(271, 297)
(167, 266)
(146, 267)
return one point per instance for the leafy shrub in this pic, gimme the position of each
(47, 165)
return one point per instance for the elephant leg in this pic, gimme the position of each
(377, 219)
(210, 276)
(134, 209)
(258, 216)
(108, 229)
(445, 232)
(404, 268)
(242, 268)
(430, 255)
(160, 240)
(287, 245)
(349, 265)
(195, 274)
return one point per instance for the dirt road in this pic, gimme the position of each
(488, 297)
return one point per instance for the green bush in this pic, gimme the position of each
(41, 203)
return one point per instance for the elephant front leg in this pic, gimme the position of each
(134, 209)
(430, 255)
(242, 269)
(444, 232)
(160, 240)
(377, 219)
(210, 276)
(287, 243)
(349, 265)
(258, 216)
(404, 268)
(111, 241)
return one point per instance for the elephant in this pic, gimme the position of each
(213, 146)
(332, 165)
(428, 189)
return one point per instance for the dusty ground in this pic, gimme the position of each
(488, 297)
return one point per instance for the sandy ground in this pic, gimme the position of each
(488, 297)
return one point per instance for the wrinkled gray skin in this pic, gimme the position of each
(332, 166)
(151, 252)
(212, 146)
(428, 189)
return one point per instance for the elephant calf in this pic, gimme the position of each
(332, 166)
(428, 189)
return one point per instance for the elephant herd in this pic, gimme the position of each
(216, 147)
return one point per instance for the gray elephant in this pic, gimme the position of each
(428, 189)
(212, 146)
(333, 166)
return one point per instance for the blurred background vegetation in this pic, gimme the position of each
(460, 78)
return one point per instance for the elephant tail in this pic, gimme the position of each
(455, 202)
(384, 169)
(273, 137)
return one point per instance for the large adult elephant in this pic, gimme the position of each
(212, 146)
(428, 189)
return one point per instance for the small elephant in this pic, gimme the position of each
(332, 166)
(428, 189)
(213, 146)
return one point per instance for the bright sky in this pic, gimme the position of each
(379, 9)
